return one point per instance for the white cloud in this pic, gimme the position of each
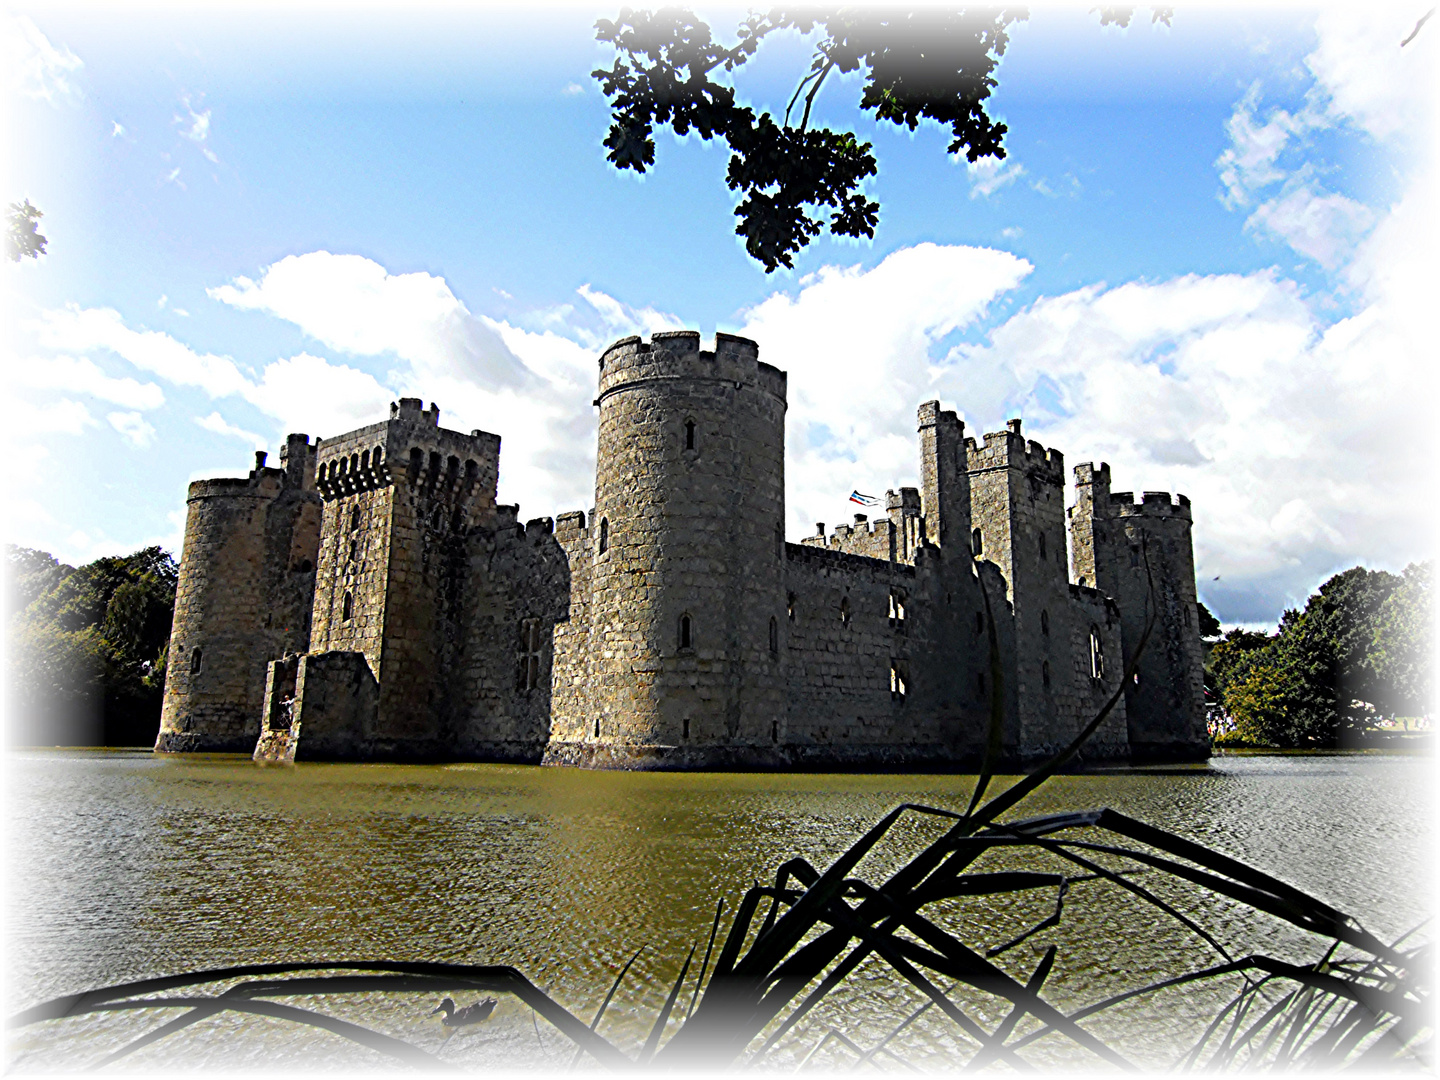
(64, 417)
(220, 426)
(988, 175)
(1367, 77)
(1321, 225)
(1250, 162)
(136, 431)
(39, 69)
(573, 89)
(353, 305)
(77, 329)
(81, 376)
(117, 131)
(856, 345)
(310, 394)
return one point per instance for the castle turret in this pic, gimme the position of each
(1115, 540)
(1017, 518)
(247, 574)
(687, 598)
(945, 484)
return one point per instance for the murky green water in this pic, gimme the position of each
(126, 865)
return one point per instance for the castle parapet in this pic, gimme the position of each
(1010, 449)
(676, 354)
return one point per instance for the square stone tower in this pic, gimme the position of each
(400, 497)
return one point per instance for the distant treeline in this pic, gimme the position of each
(86, 647)
(1357, 658)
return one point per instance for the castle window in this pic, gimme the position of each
(354, 550)
(365, 461)
(1045, 673)
(1185, 611)
(452, 468)
(434, 466)
(604, 535)
(1135, 557)
(1135, 678)
(977, 543)
(472, 472)
(354, 518)
(1043, 555)
(347, 608)
(897, 609)
(597, 727)
(685, 632)
(774, 636)
(1045, 623)
(685, 728)
(342, 465)
(354, 463)
(376, 456)
(790, 607)
(844, 611)
(779, 542)
(775, 731)
(1097, 655)
(527, 665)
(417, 462)
(689, 434)
(195, 660)
(897, 681)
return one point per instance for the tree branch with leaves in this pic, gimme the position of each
(23, 236)
(918, 65)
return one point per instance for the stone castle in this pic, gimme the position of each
(368, 600)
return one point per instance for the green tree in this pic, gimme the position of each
(1399, 660)
(23, 237)
(87, 646)
(925, 64)
(1209, 625)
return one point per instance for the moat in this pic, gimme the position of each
(131, 864)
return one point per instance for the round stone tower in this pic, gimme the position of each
(243, 598)
(687, 609)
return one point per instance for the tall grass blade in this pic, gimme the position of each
(653, 1042)
(704, 964)
(606, 1003)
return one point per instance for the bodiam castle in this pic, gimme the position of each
(368, 600)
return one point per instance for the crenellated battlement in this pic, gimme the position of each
(410, 447)
(1010, 449)
(262, 483)
(676, 354)
(1157, 504)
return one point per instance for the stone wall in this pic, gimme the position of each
(519, 590)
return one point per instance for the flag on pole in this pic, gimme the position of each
(864, 500)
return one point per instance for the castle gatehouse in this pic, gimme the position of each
(368, 600)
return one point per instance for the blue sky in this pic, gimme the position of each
(1205, 260)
